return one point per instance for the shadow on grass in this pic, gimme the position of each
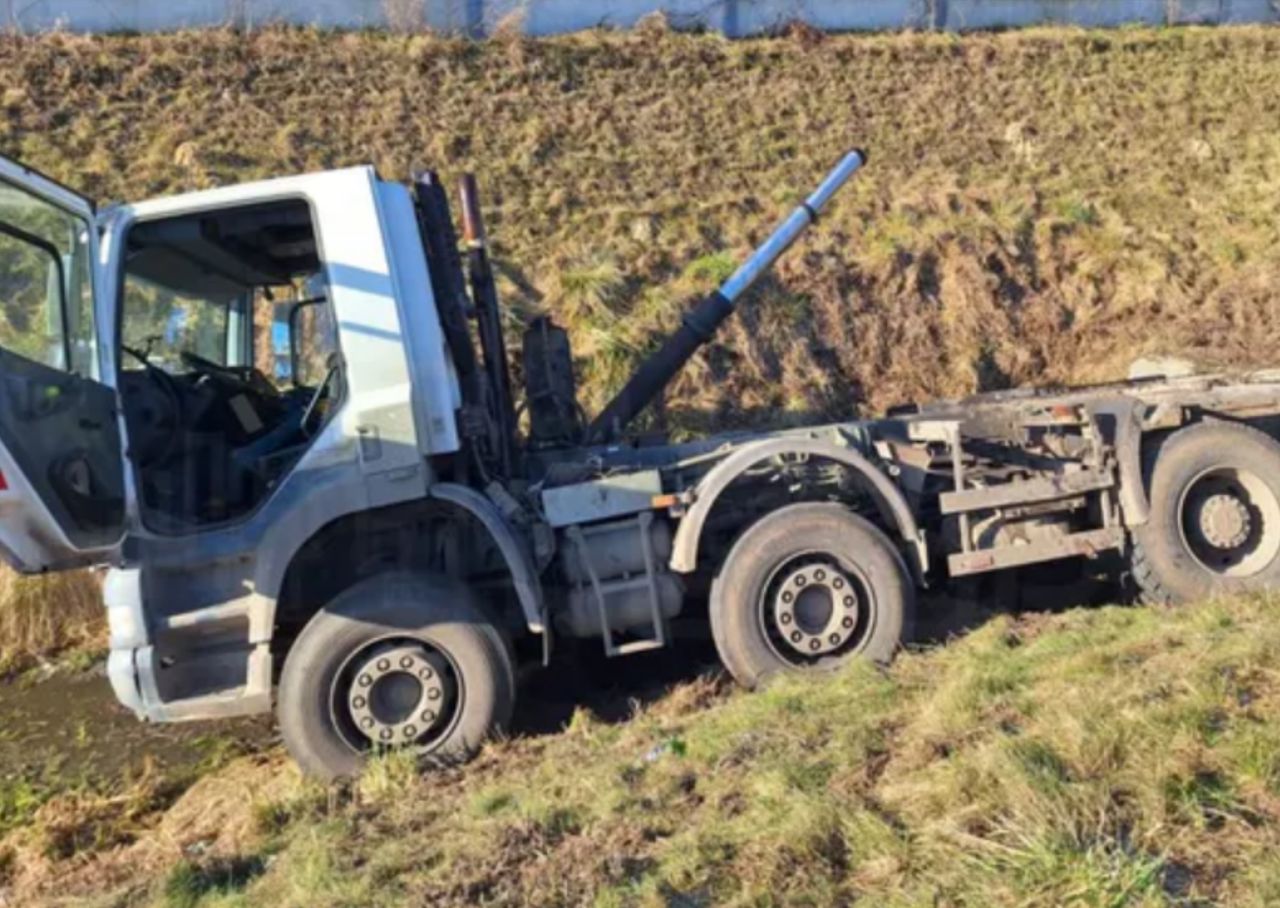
(190, 881)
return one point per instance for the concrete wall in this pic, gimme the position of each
(543, 17)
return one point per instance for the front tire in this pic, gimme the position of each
(807, 588)
(1214, 526)
(397, 661)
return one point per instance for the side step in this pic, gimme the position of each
(225, 704)
(224, 613)
(251, 696)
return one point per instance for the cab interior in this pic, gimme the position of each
(229, 362)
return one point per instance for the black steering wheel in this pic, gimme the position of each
(236, 378)
(161, 422)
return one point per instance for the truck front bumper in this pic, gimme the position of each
(122, 593)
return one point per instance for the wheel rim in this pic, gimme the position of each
(396, 693)
(816, 608)
(1229, 520)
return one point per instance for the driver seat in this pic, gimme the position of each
(264, 458)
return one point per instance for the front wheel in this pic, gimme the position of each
(807, 588)
(397, 661)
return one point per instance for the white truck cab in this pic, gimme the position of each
(192, 387)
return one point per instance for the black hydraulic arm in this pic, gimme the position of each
(489, 318)
(447, 280)
(701, 323)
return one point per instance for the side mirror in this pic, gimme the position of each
(302, 350)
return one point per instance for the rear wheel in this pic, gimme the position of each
(807, 588)
(1214, 526)
(398, 661)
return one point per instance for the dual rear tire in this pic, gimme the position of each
(810, 586)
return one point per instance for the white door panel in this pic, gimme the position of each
(61, 467)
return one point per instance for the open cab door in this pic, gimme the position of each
(62, 489)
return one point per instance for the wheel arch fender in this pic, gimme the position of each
(889, 499)
(516, 554)
(449, 499)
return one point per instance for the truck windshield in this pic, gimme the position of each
(46, 297)
(162, 325)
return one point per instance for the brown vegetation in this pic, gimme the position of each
(1041, 206)
(47, 616)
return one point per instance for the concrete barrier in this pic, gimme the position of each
(735, 18)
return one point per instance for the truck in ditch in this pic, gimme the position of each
(282, 415)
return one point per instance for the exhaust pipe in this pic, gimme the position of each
(701, 323)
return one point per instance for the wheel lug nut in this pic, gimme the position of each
(410, 731)
(795, 636)
(425, 674)
(358, 702)
(366, 722)
(848, 602)
(838, 583)
(406, 662)
(801, 580)
(428, 716)
(433, 693)
(365, 680)
(834, 639)
(819, 574)
(785, 617)
(815, 643)
(386, 734)
(847, 623)
(787, 597)
(384, 664)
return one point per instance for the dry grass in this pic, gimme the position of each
(48, 616)
(93, 843)
(1118, 756)
(1041, 206)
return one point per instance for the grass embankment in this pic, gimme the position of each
(1041, 206)
(1098, 757)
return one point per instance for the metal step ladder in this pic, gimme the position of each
(603, 589)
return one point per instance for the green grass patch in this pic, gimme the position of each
(1119, 756)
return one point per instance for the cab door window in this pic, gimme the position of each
(46, 289)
